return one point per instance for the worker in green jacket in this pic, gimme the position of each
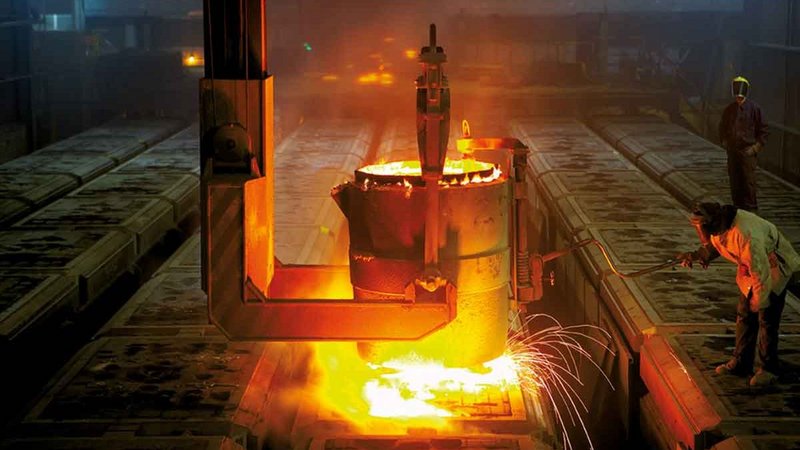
(767, 268)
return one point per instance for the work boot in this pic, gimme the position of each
(763, 378)
(731, 368)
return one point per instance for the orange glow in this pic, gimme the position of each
(409, 391)
(458, 167)
(410, 53)
(330, 77)
(375, 78)
(192, 60)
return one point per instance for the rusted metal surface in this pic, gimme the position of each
(147, 219)
(162, 387)
(94, 258)
(182, 191)
(29, 300)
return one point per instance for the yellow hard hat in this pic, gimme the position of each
(740, 87)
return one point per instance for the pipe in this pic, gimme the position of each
(559, 253)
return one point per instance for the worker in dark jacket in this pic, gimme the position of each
(767, 267)
(743, 133)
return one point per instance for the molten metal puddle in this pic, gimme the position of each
(411, 391)
(405, 173)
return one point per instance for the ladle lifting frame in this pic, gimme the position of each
(252, 295)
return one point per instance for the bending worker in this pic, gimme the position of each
(743, 133)
(768, 267)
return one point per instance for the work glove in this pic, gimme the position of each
(688, 259)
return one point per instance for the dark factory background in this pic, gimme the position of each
(69, 64)
(146, 162)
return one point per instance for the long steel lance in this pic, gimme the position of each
(578, 245)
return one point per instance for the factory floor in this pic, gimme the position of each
(100, 280)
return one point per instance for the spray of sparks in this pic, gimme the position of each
(542, 357)
(548, 361)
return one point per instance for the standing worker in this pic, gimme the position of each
(768, 267)
(743, 133)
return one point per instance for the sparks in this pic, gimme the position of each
(547, 361)
(414, 391)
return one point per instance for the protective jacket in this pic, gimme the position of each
(765, 258)
(742, 125)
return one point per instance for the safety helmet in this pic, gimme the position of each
(702, 217)
(740, 87)
(711, 218)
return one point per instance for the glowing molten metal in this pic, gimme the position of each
(456, 172)
(409, 390)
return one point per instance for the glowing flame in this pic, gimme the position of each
(410, 53)
(465, 131)
(409, 391)
(375, 78)
(413, 169)
(192, 60)
(412, 387)
(469, 168)
(409, 188)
